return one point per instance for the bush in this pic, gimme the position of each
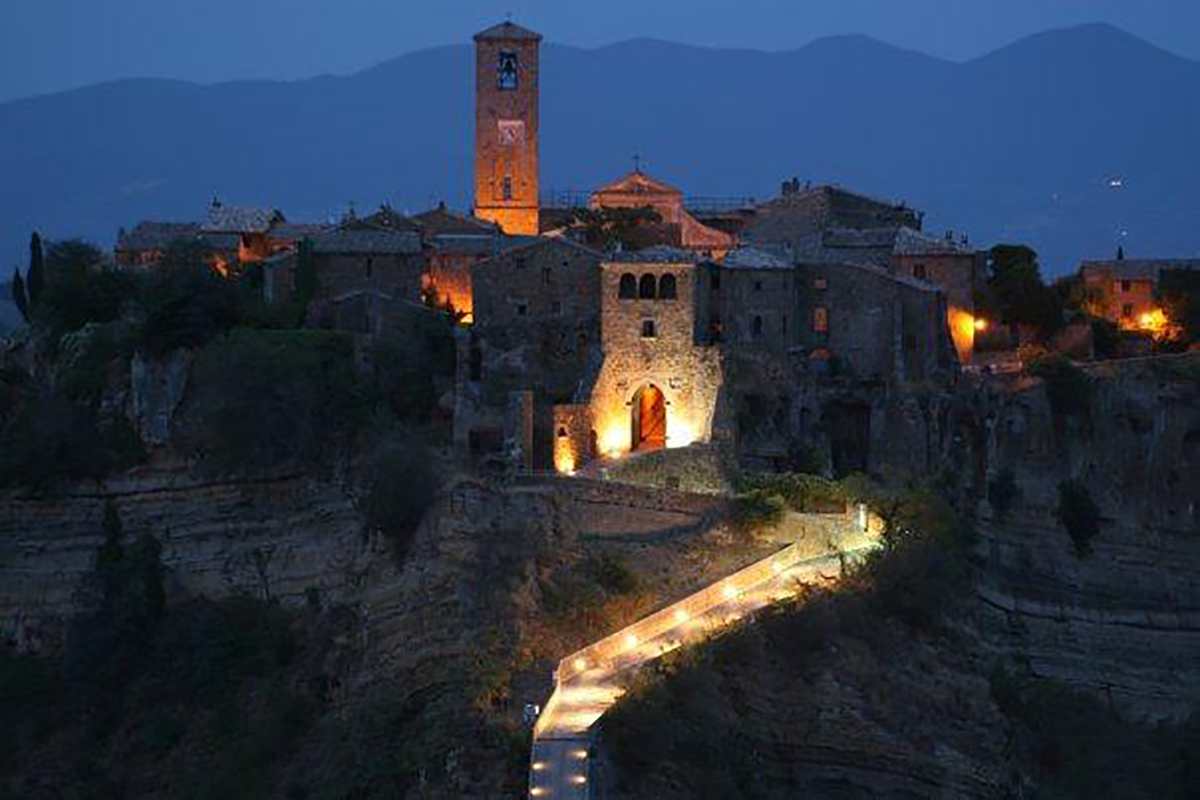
(612, 574)
(1078, 513)
(80, 289)
(402, 487)
(756, 510)
(186, 303)
(1003, 492)
(801, 492)
(47, 439)
(264, 398)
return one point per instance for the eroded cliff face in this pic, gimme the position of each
(1123, 620)
(278, 537)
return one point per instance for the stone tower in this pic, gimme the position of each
(506, 128)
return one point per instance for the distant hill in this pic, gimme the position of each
(1063, 140)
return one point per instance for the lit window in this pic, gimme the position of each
(821, 319)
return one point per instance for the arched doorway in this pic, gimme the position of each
(649, 419)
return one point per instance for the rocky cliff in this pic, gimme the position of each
(281, 537)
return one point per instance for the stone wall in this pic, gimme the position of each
(396, 275)
(758, 308)
(552, 280)
(688, 375)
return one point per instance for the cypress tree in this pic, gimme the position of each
(18, 294)
(37, 270)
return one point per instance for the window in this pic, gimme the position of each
(562, 433)
(506, 190)
(1127, 310)
(546, 275)
(1125, 286)
(758, 286)
(648, 329)
(370, 264)
(820, 283)
(522, 309)
(628, 290)
(556, 307)
(666, 287)
(716, 281)
(506, 71)
(821, 319)
(783, 327)
(919, 272)
(475, 362)
(910, 342)
(756, 328)
(647, 287)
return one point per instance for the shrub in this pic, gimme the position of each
(402, 487)
(265, 398)
(801, 492)
(79, 289)
(1003, 492)
(186, 303)
(755, 510)
(1078, 513)
(612, 574)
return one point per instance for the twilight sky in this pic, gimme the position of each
(49, 45)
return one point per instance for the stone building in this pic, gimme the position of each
(800, 212)
(1125, 291)
(506, 127)
(453, 243)
(678, 227)
(359, 257)
(953, 266)
(656, 385)
(751, 300)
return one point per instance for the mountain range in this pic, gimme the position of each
(1073, 141)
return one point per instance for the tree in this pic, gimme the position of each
(604, 228)
(1016, 292)
(1179, 292)
(18, 295)
(37, 270)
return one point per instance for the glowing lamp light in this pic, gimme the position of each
(730, 593)
(537, 791)
(981, 324)
(580, 754)
(538, 766)
(580, 664)
(681, 616)
(578, 779)
(631, 641)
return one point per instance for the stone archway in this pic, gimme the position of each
(649, 419)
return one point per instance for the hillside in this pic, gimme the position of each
(1019, 144)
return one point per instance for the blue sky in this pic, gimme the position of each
(49, 45)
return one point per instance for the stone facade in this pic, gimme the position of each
(648, 344)
(547, 279)
(638, 190)
(955, 268)
(506, 128)
(353, 259)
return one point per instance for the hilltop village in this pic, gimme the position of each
(617, 494)
(636, 320)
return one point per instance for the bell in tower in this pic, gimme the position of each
(506, 128)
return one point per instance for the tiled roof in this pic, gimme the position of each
(296, 231)
(911, 242)
(156, 235)
(637, 182)
(387, 217)
(753, 258)
(238, 219)
(1132, 269)
(840, 245)
(656, 255)
(878, 271)
(441, 220)
(508, 30)
(372, 241)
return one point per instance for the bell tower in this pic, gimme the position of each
(506, 128)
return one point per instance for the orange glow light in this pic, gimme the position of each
(981, 324)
